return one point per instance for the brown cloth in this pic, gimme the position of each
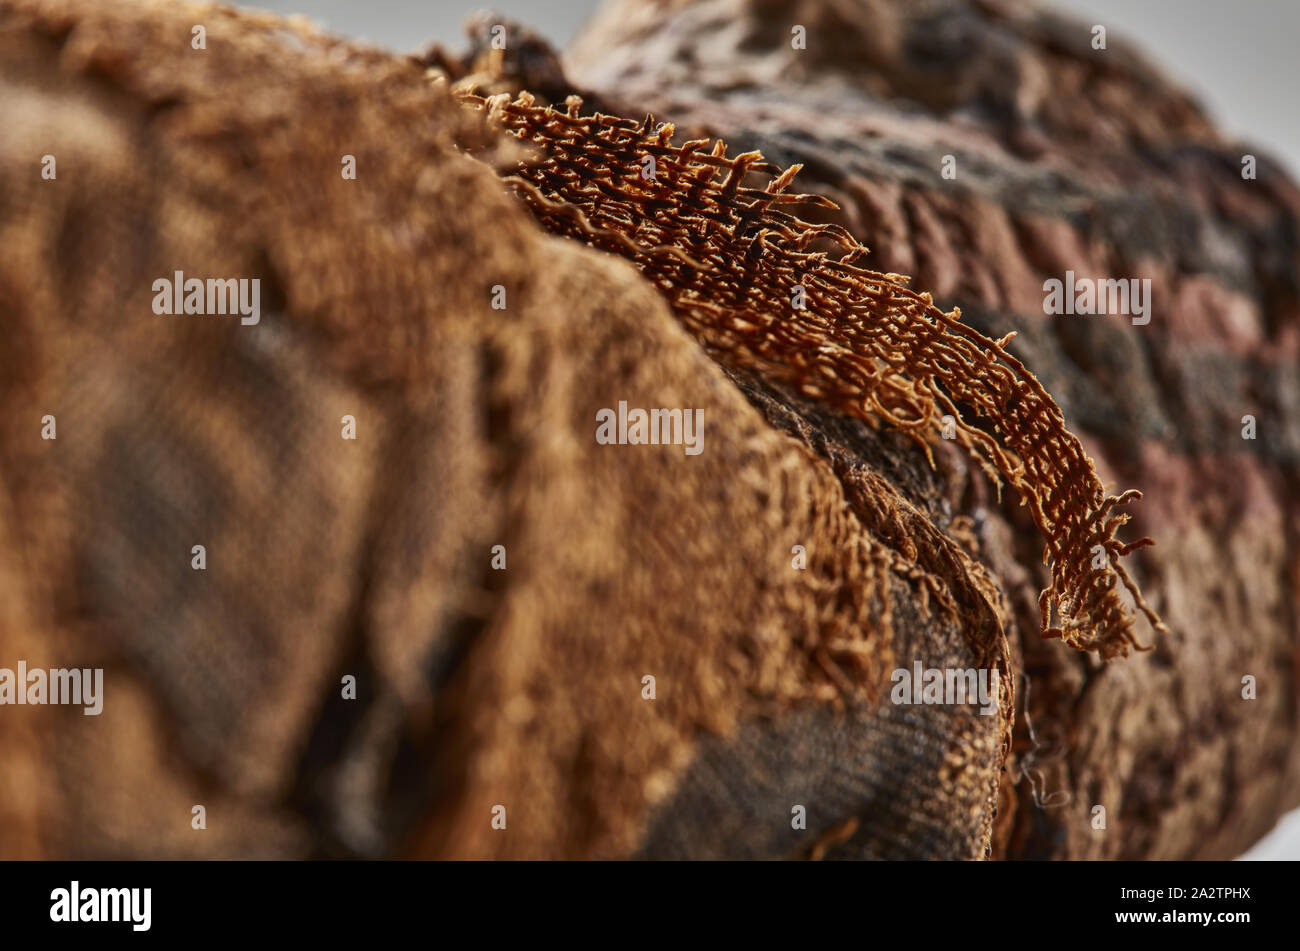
(1066, 157)
(519, 692)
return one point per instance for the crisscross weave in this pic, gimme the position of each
(732, 263)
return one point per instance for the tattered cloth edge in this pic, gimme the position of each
(729, 262)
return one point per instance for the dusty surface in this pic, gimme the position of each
(523, 687)
(372, 558)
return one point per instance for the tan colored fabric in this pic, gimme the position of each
(372, 557)
(522, 688)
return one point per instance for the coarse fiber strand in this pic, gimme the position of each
(728, 259)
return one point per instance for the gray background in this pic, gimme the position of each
(1237, 56)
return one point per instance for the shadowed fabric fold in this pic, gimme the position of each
(825, 537)
(371, 558)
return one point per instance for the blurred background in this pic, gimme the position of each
(1236, 56)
